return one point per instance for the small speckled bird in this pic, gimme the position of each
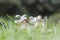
(22, 20)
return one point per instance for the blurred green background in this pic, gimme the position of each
(51, 5)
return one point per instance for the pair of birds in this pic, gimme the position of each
(33, 20)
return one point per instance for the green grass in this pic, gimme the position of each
(10, 31)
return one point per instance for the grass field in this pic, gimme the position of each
(10, 31)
